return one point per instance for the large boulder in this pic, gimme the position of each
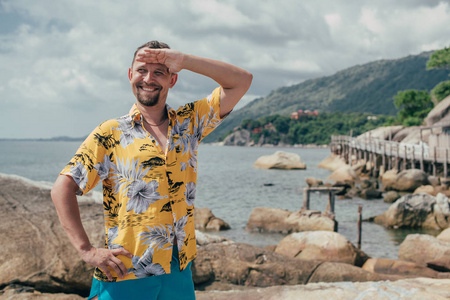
(27, 293)
(444, 235)
(380, 133)
(412, 288)
(426, 189)
(322, 246)
(411, 135)
(439, 112)
(35, 249)
(388, 179)
(204, 219)
(345, 174)
(313, 182)
(280, 160)
(426, 250)
(238, 138)
(401, 267)
(332, 162)
(404, 181)
(264, 219)
(391, 196)
(417, 211)
(228, 265)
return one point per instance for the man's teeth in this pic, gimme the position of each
(149, 89)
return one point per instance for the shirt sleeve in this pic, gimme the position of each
(90, 163)
(207, 114)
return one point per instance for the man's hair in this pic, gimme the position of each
(152, 45)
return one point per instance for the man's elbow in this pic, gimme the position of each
(63, 184)
(248, 78)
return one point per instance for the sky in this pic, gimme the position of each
(64, 64)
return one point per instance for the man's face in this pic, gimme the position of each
(150, 82)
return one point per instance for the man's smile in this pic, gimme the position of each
(150, 89)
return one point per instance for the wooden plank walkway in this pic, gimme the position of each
(387, 155)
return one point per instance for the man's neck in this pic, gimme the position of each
(153, 114)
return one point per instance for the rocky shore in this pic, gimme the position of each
(38, 261)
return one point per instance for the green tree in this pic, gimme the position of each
(414, 106)
(281, 124)
(441, 91)
(440, 59)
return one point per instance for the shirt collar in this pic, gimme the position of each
(136, 116)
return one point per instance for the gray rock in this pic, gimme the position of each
(417, 211)
(321, 246)
(426, 250)
(402, 268)
(313, 182)
(409, 180)
(280, 160)
(35, 249)
(235, 264)
(381, 133)
(332, 162)
(405, 289)
(439, 112)
(240, 137)
(391, 196)
(263, 219)
(205, 219)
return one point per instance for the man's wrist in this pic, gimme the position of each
(84, 248)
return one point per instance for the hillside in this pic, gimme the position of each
(367, 88)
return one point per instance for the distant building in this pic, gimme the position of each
(257, 129)
(299, 114)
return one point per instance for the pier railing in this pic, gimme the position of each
(389, 154)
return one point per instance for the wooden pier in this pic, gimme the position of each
(382, 155)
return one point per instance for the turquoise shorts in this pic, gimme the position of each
(176, 285)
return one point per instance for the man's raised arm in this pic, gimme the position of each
(234, 80)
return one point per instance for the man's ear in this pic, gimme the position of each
(130, 74)
(173, 79)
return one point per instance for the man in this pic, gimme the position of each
(147, 162)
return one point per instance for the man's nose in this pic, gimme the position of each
(148, 77)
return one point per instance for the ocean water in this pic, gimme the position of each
(230, 186)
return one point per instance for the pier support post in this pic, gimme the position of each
(305, 198)
(359, 226)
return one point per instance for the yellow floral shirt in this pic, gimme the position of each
(148, 193)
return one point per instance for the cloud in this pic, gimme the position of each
(65, 62)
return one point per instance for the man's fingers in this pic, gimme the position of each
(114, 264)
(121, 251)
(119, 267)
(105, 270)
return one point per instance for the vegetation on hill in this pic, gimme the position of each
(318, 130)
(414, 105)
(440, 59)
(368, 88)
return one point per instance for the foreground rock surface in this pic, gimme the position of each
(280, 160)
(402, 268)
(264, 219)
(229, 265)
(35, 250)
(408, 289)
(426, 250)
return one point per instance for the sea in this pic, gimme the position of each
(230, 186)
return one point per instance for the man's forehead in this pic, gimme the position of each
(154, 66)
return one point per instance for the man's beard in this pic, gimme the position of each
(148, 100)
